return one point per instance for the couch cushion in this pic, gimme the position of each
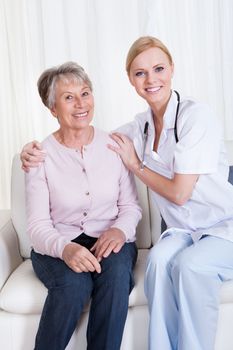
(25, 294)
(18, 214)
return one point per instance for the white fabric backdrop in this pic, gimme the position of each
(36, 34)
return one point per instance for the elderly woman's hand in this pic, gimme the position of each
(80, 259)
(32, 155)
(126, 151)
(111, 240)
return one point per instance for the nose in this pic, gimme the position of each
(151, 77)
(79, 103)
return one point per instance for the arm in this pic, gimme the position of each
(177, 190)
(124, 227)
(129, 213)
(32, 155)
(196, 153)
(44, 236)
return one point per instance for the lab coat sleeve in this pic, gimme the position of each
(127, 129)
(198, 149)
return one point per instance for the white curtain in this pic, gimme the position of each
(36, 34)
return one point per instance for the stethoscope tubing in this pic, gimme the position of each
(145, 132)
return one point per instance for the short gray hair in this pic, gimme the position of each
(67, 72)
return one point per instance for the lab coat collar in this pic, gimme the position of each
(170, 113)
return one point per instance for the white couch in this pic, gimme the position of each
(22, 295)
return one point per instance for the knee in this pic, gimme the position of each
(116, 275)
(70, 280)
(115, 269)
(71, 293)
(183, 264)
(157, 257)
(71, 285)
(118, 264)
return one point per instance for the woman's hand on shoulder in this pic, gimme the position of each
(32, 155)
(80, 259)
(125, 149)
(111, 240)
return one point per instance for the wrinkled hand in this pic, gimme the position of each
(126, 150)
(80, 259)
(32, 155)
(111, 240)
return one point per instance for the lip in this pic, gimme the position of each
(80, 115)
(153, 89)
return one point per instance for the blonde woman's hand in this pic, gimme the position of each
(32, 155)
(125, 149)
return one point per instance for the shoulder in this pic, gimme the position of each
(105, 155)
(48, 142)
(54, 150)
(132, 128)
(102, 139)
(189, 106)
(194, 113)
(100, 134)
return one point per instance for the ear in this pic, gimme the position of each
(53, 111)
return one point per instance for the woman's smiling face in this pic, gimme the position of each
(74, 104)
(151, 75)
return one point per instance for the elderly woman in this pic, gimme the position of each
(82, 212)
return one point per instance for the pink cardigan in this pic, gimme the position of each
(69, 194)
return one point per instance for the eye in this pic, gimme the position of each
(68, 97)
(140, 74)
(159, 69)
(85, 93)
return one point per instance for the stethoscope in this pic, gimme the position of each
(145, 132)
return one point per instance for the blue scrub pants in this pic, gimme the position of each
(69, 292)
(182, 285)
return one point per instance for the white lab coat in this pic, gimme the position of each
(200, 150)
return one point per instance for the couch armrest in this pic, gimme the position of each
(9, 249)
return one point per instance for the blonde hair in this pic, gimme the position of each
(142, 44)
(67, 72)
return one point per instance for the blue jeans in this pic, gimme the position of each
(69, 292)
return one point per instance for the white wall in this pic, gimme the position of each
(35, 34)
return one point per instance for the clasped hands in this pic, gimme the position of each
(80, 259)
